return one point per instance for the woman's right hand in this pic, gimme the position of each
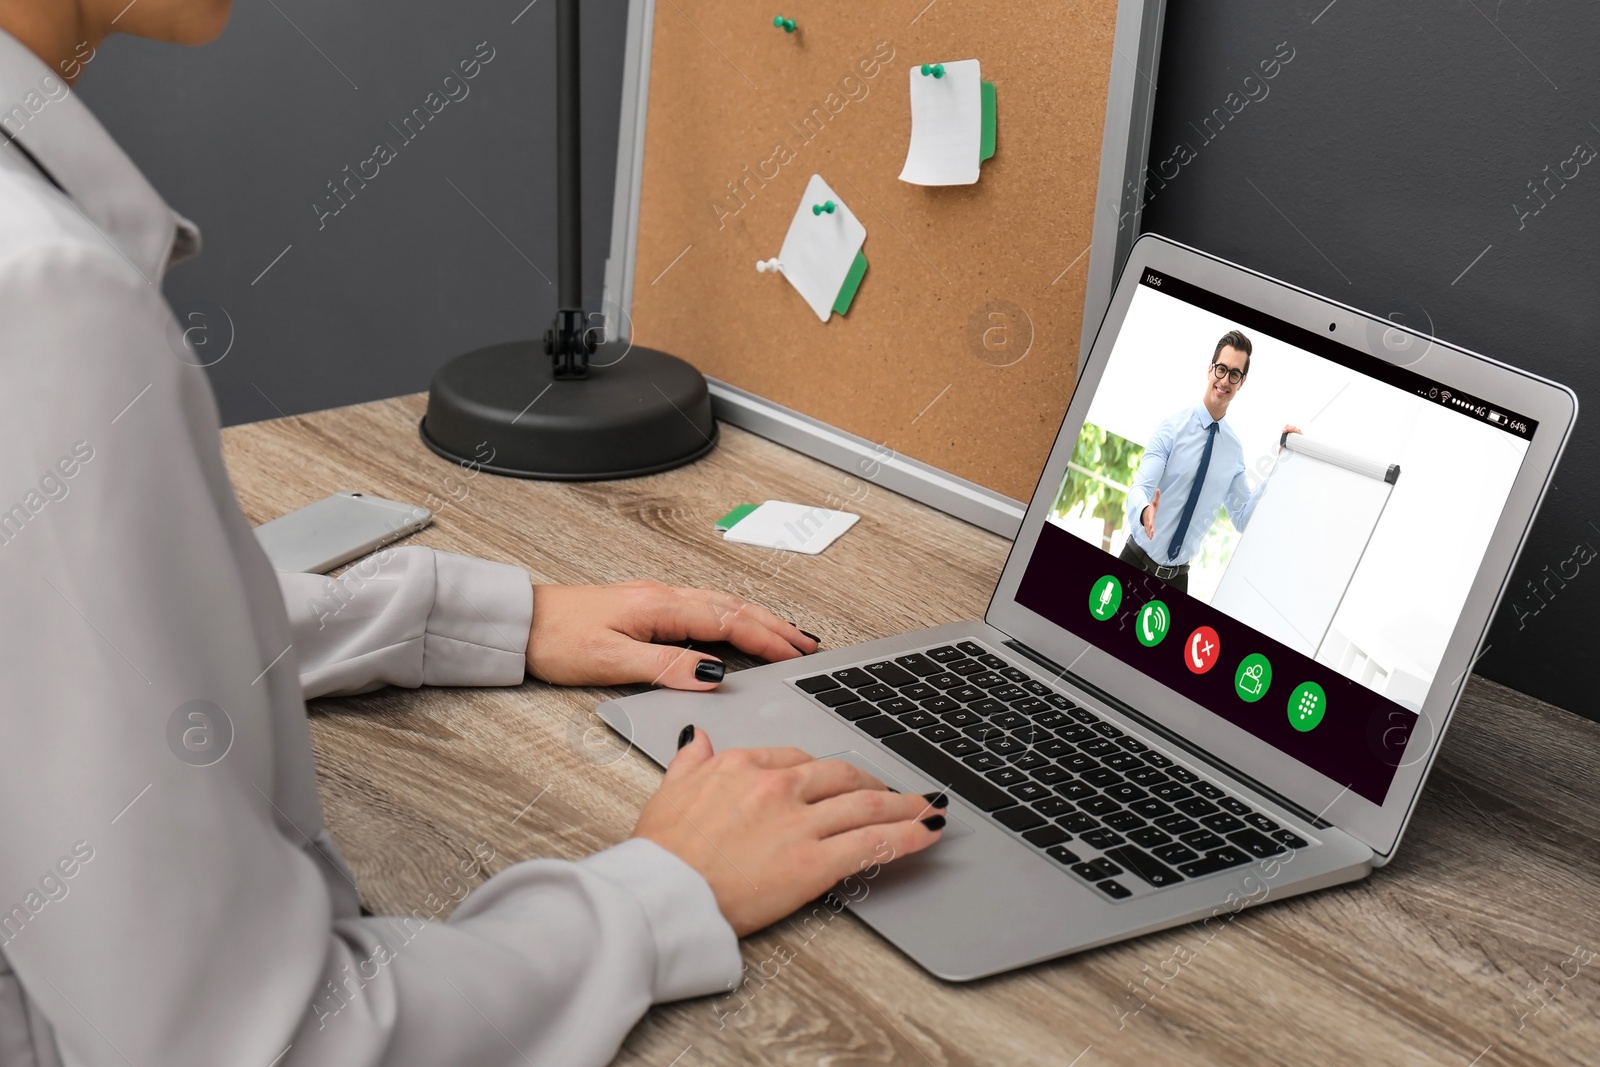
(772, 828)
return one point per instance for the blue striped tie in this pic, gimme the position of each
(1194, 495)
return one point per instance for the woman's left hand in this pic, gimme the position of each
(607, 634)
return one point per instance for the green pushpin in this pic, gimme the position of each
(817, 209)
(936, 69)
(786, 25)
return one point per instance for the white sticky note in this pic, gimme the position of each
(819, 250)
(946, 125)
(793, 527)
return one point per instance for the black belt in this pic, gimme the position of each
(1164, 573)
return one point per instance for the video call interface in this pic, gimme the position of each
(1275, 525)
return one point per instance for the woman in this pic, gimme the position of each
(157, 911)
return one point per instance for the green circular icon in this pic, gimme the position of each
(1252, 678)
(1153, 622)
(1105, 597)
(1307, 704)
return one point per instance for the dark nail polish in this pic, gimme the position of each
(938, 800)
(934, 822)
(686, 735)
(710, 670)
(813, 637)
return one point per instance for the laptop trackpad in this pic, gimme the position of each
(954, 827)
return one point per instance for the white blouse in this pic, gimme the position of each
(168, 894)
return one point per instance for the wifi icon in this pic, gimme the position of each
(1153, 623)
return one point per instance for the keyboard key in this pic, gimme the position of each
(1032, 735)
(880, 725)
(1157, 759)
(898, 706)
(1075, 790)
(1029, 791)
(959, 717)
(1146, 776)
(876, 692)
(1016, 674)
(1119, 761)
(1209, 791)
(983, 731)
(965, 667)
(1105, 729)
(1037, 688)
(1097, 746)
(1049, 774)
(945, 653)
(1204, 840)
(1004, 745)
(1083, 715)
(1234, 806)
(945, 680)
(1050, 719)
(1126, 792)
(1045, 836)
(918, 719)
(1123, 821)
(961, 746)
(1175, 852)
(949, 773)
(1075, 732)
(939, 734)
(1114, 889)
(919, 691)
(1150, 808)
(854, 677)
(1051, 806)
(834, 697)
(1259, 821)
(1148, 836)
(917, 664)
(1176, 824)
(987, 706)
(1062, 854)
(1182, 774)
(1195, 806)
(1288, 837)
(984, 761)
(1144, 865)
(1099, 805)
(971, 648)
(1006, 776)
(1077, 822)
(992, 661)
(1030, 761)
(1100, 777)
(1059, 701)
(1216, 860)
(965, 693)
(1007, 692)
(1222, 823)
(1053, 747)
(1101, 839)
(890, 673)
(859, 709)
(817, 683)
(1256, 844)
(1019, 819)
(1133, 744)
(1029, 705)
(1171, 792)
(1077, 762)
(986, 680)
(1096, 869)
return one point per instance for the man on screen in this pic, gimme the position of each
(1193, 464)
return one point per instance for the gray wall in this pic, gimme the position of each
(243, 135)
(1386, 157)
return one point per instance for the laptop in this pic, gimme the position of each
(1242, 710)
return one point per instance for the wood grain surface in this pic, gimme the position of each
(1476, 946)
(974, 293)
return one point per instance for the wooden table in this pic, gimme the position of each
(1475, 946)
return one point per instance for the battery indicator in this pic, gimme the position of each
(1497, 418)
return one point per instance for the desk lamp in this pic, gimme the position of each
(574, 407)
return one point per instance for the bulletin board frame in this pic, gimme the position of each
(1124, 149)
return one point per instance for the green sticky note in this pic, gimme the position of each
(852, 282)
(986, 140)
(727, 521)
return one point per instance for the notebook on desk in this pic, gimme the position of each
(1126, 749)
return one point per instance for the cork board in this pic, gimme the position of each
(961, 345)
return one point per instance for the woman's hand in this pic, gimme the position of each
(605, 634)
(771, 828)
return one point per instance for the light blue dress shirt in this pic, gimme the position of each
(1170, 461)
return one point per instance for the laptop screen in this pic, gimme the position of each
(1277, 526)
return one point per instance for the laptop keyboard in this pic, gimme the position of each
(1106, 806)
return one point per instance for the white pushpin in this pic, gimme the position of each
(765, 265)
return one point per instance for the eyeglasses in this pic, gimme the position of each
(1220, 371)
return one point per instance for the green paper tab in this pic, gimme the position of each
(728, 521)
(852, 282)
(986, 140)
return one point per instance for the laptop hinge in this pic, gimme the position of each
(1176, 739)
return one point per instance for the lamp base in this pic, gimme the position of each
(501, 409)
